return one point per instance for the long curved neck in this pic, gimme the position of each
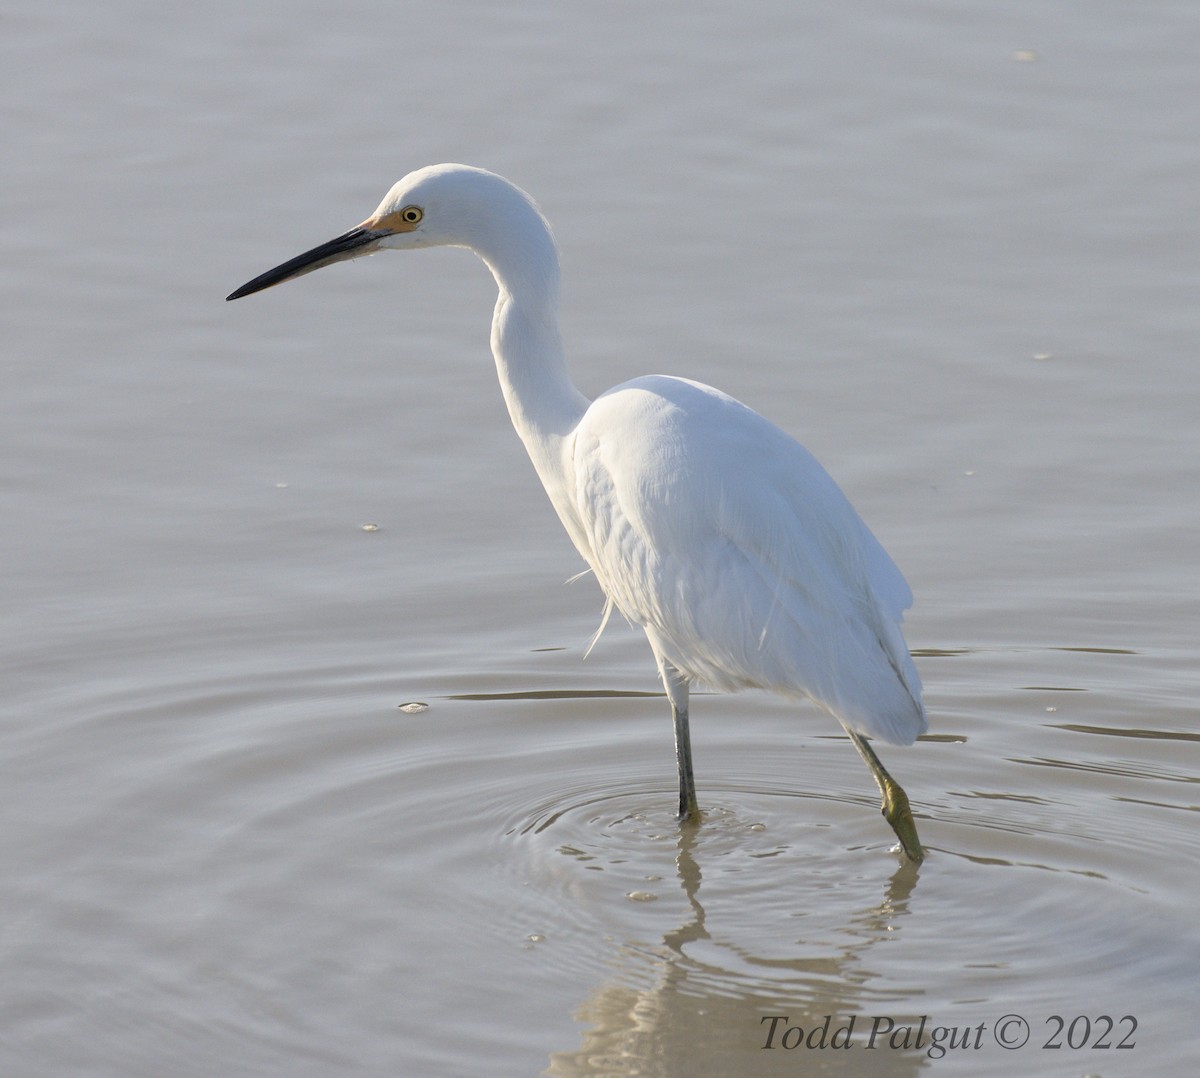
(543, 403)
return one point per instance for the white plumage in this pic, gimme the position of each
(743, 561)
(709, 527)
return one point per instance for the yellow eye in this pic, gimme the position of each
(411, 214)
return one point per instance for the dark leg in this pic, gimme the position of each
(688, 809)
(677, 692)
(895, 807)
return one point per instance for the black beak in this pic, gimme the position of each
(358, 241)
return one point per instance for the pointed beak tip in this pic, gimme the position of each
(248, 289)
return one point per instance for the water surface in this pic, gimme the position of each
(951, 246)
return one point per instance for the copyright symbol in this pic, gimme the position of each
(1011, 1031)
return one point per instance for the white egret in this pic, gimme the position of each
(706, 525)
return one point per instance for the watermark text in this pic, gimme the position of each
(921, 1033)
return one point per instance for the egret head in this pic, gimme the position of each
(436, 206)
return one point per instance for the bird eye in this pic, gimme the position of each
(411, 214)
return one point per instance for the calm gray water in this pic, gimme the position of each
(950, 245)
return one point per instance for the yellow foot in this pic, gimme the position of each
(896, 811)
